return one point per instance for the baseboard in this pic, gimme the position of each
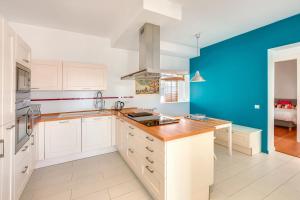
(55, 161)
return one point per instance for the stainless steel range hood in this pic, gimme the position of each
(149, 55)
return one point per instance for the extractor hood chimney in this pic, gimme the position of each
(149, 55)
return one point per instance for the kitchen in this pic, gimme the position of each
(91, 117)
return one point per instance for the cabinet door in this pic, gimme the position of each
(62, 138)
(23, 52)
(33, 143)
(2, 154)
(22, 171)
(9, 76)
(6, 160)
(46, 75)
(1, 66)
(118, 133)
(78, 76)
(96, 133)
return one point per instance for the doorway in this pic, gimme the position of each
(283, 96)
(285, 108)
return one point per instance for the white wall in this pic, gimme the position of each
(286, 80)
(56, 44)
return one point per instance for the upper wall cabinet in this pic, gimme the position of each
(46, 75)
(78, 76)
(23, 53)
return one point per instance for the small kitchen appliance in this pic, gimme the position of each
(119, 105)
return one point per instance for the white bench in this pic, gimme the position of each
(244, 139)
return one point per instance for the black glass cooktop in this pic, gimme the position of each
(155, 120)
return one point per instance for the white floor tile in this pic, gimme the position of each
(107, 177)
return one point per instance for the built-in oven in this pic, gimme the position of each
(24, 127)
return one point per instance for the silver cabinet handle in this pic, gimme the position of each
(149, 160)
(148, 148)
(131, 127)
(25, 148)
(131, 134)
(150, 139)
(25, 60)
(130, 150)
(149, 169)
(2, 149)
(25, 169)
(63, 122)
(32, 143)
(11, 127)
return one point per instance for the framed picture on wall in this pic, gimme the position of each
(147, 86)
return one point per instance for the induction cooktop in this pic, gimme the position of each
(154, 120)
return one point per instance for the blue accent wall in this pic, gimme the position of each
(236, 73)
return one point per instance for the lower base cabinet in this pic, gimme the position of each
(23, 168)
(187, 162)
(96, 133)
(62, 138)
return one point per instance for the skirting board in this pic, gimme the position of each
(49, 162)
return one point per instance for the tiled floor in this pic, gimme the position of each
(106, 177)
(286, 141)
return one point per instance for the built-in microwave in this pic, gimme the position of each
(23, 78)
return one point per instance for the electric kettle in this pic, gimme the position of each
(119, 105)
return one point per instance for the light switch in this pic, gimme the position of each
(257, 107)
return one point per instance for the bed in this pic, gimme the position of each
(285, 117)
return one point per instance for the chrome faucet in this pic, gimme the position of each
(99, 103)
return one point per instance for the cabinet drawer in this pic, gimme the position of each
(152, 141)
(133, 159)
(154, 164)
(22, 169)
(153, 181)
(23, 154)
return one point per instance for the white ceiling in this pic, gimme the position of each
(215, 19)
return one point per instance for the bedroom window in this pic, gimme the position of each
(175, 89)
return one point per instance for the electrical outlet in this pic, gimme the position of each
(257, 107)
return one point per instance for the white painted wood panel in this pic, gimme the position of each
(46, 75)
(9, 76)
(78, 76)
(96, 133)
(62, 138)
(23, 52)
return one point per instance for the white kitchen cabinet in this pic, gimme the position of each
(121, 137)
(62, 138)
(96, 133)
(46, 75)
(1, 66)
(78, 76)
(153, 160)
(8, 167)
(23, 52)
(9, 76)
(23, 169)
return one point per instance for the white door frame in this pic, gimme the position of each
(288, 52)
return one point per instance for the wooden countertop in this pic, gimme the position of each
(184, 128)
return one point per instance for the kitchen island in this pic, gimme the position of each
(174, 161)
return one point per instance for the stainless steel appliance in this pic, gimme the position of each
(119, 105)
(149, 56)
(154, 120)
(24, 115)
(23, 78)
